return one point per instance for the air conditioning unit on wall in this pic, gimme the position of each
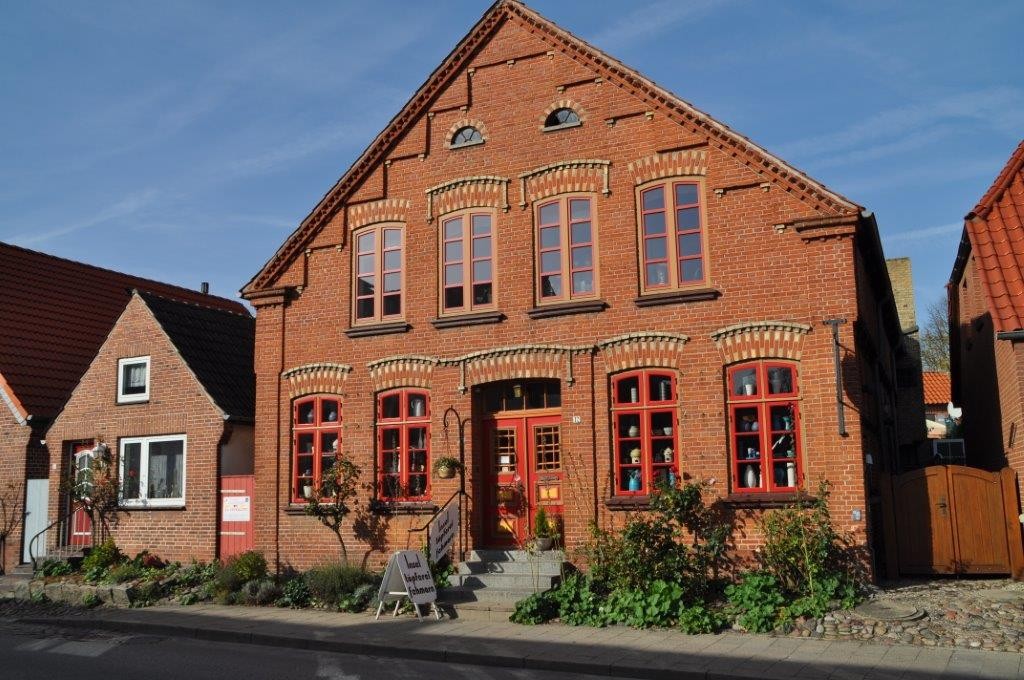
(949, 451)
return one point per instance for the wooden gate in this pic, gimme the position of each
(235, 515)
(950, 519)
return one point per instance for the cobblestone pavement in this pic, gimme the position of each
(971, 614)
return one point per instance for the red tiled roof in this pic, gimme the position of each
(936, 387)
(55, 314)
(996, 231)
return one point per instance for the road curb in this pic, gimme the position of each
(442, 655)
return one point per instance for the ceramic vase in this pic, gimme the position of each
(790, 474)
(634, 456)
(750, 477)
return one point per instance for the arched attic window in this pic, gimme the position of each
(563, 117)
(466, 136)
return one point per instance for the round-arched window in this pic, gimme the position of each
(467, 135)
(560, 117)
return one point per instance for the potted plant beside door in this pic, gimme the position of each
(446, 467)
(543, 530)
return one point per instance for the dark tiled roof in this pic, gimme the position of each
(936, 388)
(217, 345)
(996, 231)
(55, 314)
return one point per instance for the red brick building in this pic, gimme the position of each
(180, 420)
(610, 287)
(54, 315)
(986, 311)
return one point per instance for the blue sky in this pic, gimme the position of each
(184, 140)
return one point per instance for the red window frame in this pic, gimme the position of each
(403, 445)
(466, 265)
(640, 400)
(673, 260)
(371, 250)
(312, 429)
(568, 271)
(764, 426)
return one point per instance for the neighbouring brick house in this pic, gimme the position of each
(913, 449)
(181, 417)
(937, 395)
(54, 315)
(611, 288)
(986, 312)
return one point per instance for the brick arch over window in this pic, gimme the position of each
(484, 191)
(563, 104)
(402, 371)
(321, 378)
(647, 349)
(478, 125)
(510, 363)
(387, 210)
(693, 162)
(565, 177)
(761, 340)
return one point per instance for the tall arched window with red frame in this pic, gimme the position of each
(764, 427)
(403, 442)
(316, 441)
(644, 414)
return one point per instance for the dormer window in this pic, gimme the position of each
(466, 136)
(561, 118)
(132, 380)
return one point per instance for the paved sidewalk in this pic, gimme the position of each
(613, 651)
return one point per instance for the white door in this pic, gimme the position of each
(37, 498)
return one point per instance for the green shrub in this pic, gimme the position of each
(757, 602)
(542, 526)
(295, 594)
(581, 602)
(699, 619)
(241, 569)
(95, 574)
(196, 574)
(260, 592)
(657, 605)
(90, 600)
(329, 583)
(146, 594)
(129, 571)
(105, 555)
(358, 600)
(53, 567)
(537, 608)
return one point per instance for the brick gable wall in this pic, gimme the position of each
(764, 272)
(177, 405)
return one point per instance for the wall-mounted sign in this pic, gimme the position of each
(236, 509)
(408, 576)
(443, 530)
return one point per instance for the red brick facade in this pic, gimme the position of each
(781, 257)
(177, 404)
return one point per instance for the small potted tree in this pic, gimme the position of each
(544, 533)
(446, 467)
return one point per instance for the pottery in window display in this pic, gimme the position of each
(666, 455)
(667, 430)
(790, 474)
(751, 478)
(634, 395)
(332, 415)
(664, 390)
(634, 431)
(309, 416)
(633, 483)
(634, 456)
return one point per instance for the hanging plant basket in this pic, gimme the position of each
(446, 467)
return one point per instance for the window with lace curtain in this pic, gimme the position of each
(132, 380)
(152, 471)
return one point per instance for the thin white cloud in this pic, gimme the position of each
(911, 142)
(924, 233)
(651, 19)
(126, 207)
(999, 109)
(934, 174)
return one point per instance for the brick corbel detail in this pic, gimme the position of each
(465, 122)
(467, 192)
(387, 210)
(646, 348)
(564, 104)
(814, 228)
(402, 371)
(761, 340)
(316, 378)
(672, 164)
(584, 175)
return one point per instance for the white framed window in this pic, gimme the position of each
(152, 471)
(132, 380)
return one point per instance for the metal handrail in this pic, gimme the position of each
(426, 527)
(32, 543)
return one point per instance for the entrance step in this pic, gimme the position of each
(490, 582)
(65, 553)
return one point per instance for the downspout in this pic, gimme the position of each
(838, 365)
(277, 445)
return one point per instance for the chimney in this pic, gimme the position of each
(204, 288)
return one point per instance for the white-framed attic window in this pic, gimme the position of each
(132, 380)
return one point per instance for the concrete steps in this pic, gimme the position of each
(490, 582)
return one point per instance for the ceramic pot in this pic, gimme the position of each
(750, 477)
(544, 543)
(748, 389)
(790, 474)
(634, 456)
(666, 455)
(307, 491)
(634, 431)
(634, 481)
(667, 430)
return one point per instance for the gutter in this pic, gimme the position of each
(1010, 335)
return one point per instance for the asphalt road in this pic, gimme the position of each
(52, 653)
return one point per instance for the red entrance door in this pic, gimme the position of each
(80, 529)
(235, 532)
(523, 457)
